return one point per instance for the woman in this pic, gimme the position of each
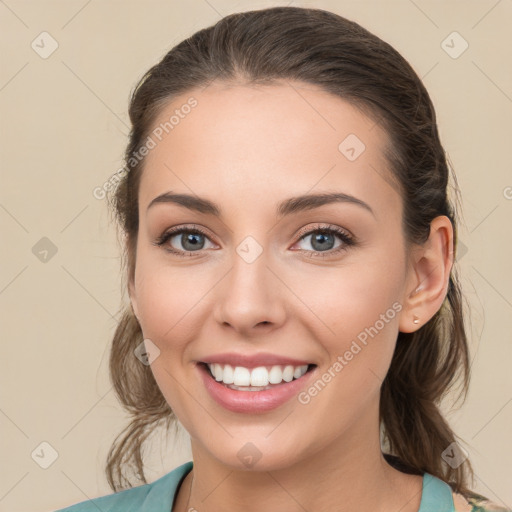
(308, 377)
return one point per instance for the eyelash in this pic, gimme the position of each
(348, 240)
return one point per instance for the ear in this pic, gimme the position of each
(428, 276)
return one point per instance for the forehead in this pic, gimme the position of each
(273, 140)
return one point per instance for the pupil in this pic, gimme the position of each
(321, 237)
(191, 238)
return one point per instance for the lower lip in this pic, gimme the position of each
(252, 401)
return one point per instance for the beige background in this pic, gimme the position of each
(63, 128)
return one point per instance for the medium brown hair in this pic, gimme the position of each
(341, 57)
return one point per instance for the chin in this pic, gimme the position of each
(255, 454)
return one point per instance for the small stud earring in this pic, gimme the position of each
(416, 320)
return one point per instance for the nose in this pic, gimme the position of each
(250, 297)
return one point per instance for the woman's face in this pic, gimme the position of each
(264, 278)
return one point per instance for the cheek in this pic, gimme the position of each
(167, 297)
(168, 305)
(360, 346)
(357, 312)
(343, 303)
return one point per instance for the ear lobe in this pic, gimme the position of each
(430, 275)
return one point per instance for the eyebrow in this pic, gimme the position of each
(284, 208)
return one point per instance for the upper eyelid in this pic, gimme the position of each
(325, 227)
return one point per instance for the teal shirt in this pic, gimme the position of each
(158, 496)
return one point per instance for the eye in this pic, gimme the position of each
(191, 240)
(323, 240)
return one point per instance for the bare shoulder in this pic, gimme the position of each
(476, 504)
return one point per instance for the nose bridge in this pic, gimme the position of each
(250, 294)
(249, 275)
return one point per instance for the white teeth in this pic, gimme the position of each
(217, 372)
(227, 374)
(241, 376)
(275, 375)
(297, 373)
(257, 377)
(288, 373)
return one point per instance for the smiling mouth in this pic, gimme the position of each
(256, 379)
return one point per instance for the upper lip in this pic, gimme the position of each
(253, 360)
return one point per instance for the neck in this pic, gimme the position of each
(348, 474)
